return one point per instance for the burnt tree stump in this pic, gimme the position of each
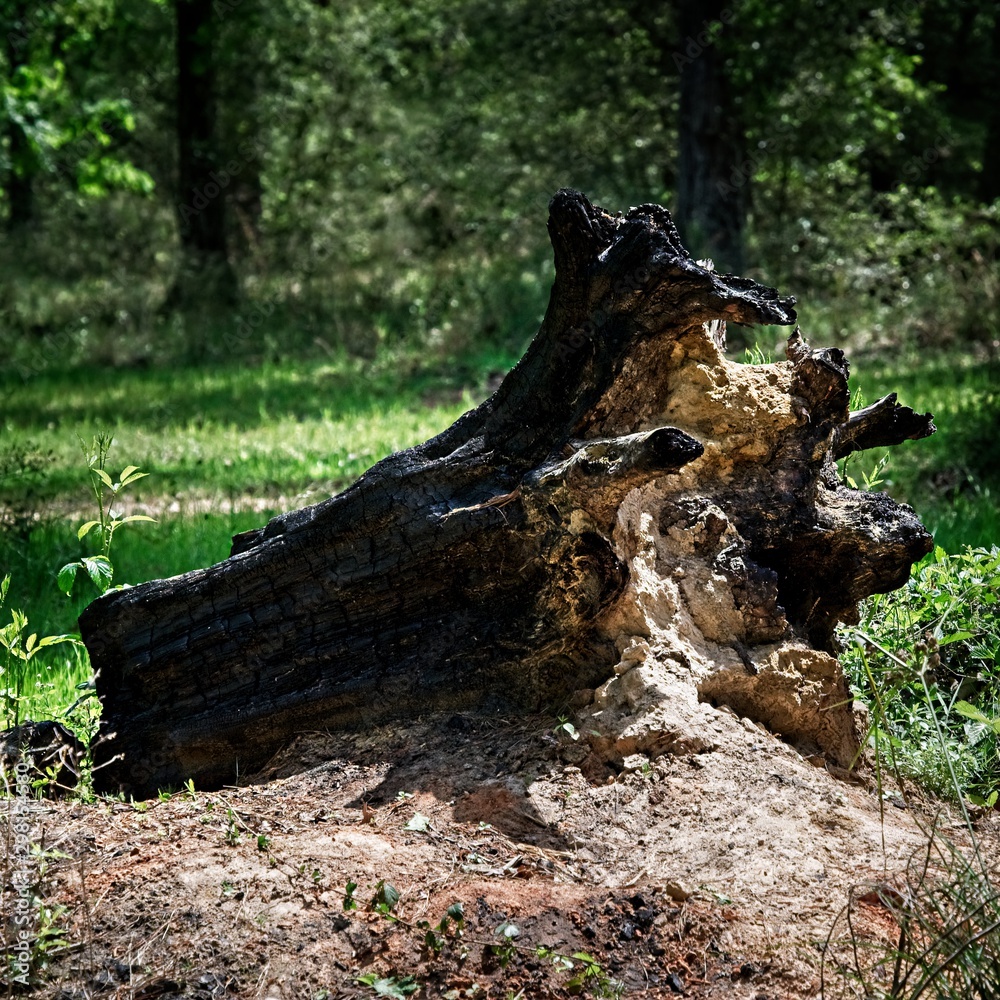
(631, 521)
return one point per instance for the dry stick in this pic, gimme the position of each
(498, 501)
(87, 916)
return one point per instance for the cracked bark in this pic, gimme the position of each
(625, 488)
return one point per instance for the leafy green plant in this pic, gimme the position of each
(562, 962)
(871, 478)
(436, 937)
(389, 986)
(350, 903)
(232, 832)
(46, 925)
(504, 949)
(593, 978)
(588, 975)
(51, 935)
(99, 567)
(945, 906)
(17, 653)
(933, 707)
(385, 899)
(566, 728)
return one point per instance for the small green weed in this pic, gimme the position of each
(436, 937)
(232, 833)
(871, 478)
(389, 986)
(99, 567)
(593, 978)
(350, 903)
(566, 728)
(756, 355)
(505, 949)
(17, 654)
(385, 899)
(588, 975)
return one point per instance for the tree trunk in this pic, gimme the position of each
(248, 73)
(205, 275)
(711, 184)
(22, 161)
(989, 182)
(627, 508)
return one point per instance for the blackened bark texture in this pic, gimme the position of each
(711, 189)
(517, 557)
(205, 275)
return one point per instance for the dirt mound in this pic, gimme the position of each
(707, 871)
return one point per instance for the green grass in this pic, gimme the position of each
(229, 430)
(951, 479)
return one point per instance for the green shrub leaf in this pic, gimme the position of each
(85, 528)
(99, 570)
(66, 577)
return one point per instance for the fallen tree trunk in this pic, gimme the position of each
(628, 506)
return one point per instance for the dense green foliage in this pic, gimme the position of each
(927, 659)
(385, 166)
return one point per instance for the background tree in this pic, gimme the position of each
(711, 208)
(205, 274)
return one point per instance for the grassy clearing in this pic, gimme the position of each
(232, 430)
